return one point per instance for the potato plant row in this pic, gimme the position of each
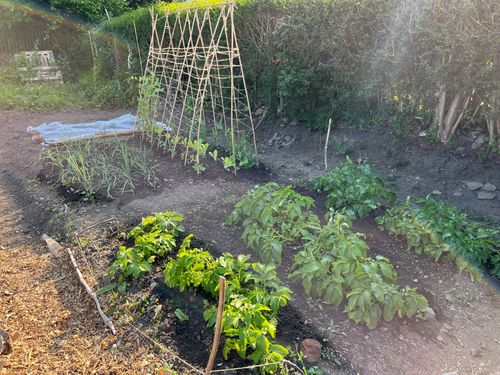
(435, 228)
(254, 293)
(333, 264)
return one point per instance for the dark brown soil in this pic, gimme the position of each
(464, 338)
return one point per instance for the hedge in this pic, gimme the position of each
(361, 60)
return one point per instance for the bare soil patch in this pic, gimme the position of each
(463, 338)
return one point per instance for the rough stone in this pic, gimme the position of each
(474, 185)
(259, 111)
(311, 350)
(489, 187)
(457, 194)
(436, 192)
(54, 247)
(485, 196)
(429, 314)
(479, 141)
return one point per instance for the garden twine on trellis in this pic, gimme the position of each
(195, 58)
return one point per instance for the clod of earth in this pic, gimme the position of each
(5, 343)
(311, 350)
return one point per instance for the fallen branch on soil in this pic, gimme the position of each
(104, 317)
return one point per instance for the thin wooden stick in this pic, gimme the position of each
(326, 143)
(218, 324)
(104, 317)
(138, 48)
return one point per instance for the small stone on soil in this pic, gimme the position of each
(457, 194)
(436, 192)
(489, 187)
(474, 185)
(483, 195)
(441, 339)
(429, 314)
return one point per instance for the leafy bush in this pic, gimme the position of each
(153, 237)
(354, 187)
(253, 297)
(363, 61)
(334, 266)
(435, 228)
(273, 216)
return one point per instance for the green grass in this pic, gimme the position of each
(40, 97)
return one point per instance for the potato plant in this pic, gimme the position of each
(153, 237)
(253, 297)
(435, 228)
(274, 216)
(334, 266)
(355, 188)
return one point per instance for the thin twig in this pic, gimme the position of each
(104, 317)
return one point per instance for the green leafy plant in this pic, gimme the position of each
(274, 216)
(334, 266)
(354, 187)
(254, 296)
(435, 228)
(153, 238)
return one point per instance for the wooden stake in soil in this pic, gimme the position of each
(218, 323)
(104, 317)
(326, 143)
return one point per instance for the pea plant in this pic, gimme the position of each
(354, 187)
(334, 266)
(274, 216)
(254, 296)
(154, 237)
(435, 228)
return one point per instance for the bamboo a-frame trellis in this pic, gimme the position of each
(195, 60)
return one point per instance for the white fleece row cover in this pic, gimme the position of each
(57, 132)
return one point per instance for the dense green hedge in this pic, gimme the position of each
(354, 60)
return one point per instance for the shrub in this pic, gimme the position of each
(355, 188)
(361, 61)
(435, 228)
